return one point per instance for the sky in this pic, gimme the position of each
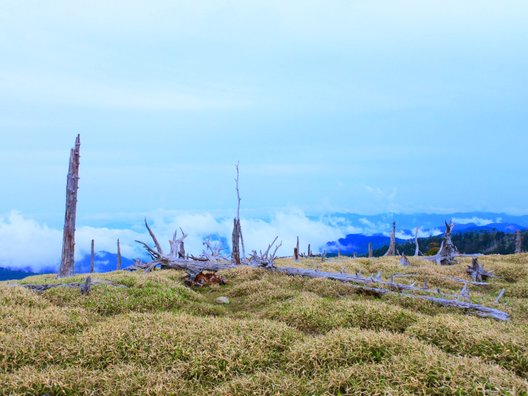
(330, 106)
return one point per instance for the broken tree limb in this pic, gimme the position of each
(84, 287)
(501, 293)
(154, 239)
(72, 186)
(476, 309)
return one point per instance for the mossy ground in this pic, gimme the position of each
(279, 335)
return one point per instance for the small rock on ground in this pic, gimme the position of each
(222, 300)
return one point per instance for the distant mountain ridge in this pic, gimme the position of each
(103, 262)
(471, 238)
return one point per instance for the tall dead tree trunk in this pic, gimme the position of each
(92, 257)
(417, 247)
(235, 256)
(237, 237)
(118, 267)
(370, 253)
(448, 251)
(518, 242)
(310, 251)
(72, 185)
(392, 246)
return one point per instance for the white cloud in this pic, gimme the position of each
(472, 220)
(25, 243)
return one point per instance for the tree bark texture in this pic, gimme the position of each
(72, 185)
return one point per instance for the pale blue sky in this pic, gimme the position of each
(329, 105)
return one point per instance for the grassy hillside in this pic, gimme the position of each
(279, 335)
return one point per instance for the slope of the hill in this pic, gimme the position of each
(150, 334)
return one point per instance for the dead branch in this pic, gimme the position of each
(154, 239)
(84, 287)
(501, 293)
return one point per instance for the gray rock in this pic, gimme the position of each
(222, 300)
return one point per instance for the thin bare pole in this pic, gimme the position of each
(238, 209)
(118, 255)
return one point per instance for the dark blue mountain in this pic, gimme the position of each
(358, 243)
(9, 274)
(493, 227)
(104, 262)
(426, 221)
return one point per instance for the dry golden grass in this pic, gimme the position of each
(280, 335)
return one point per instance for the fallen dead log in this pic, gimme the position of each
(213, 262)
(85, 287)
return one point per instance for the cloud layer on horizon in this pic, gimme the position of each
(28, 244)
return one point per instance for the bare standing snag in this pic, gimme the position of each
(72, 185)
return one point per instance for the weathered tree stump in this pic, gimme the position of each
(477, 272)
(447, 253)
(392, 245)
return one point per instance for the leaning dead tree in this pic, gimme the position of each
(392, 245)
(518, 242)
(72, 185)
(237, 238)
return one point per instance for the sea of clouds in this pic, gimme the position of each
(28, 244)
